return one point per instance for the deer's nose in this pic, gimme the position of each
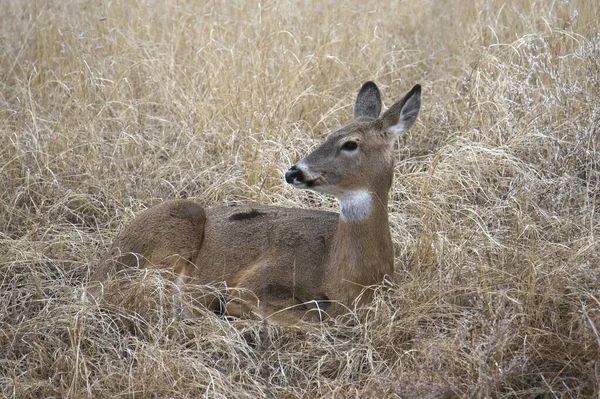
(294, 176)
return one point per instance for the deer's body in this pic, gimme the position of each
(287, 263)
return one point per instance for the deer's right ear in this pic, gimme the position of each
(368, 102)
(403, 114)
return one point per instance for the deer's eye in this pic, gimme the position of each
(349, 146)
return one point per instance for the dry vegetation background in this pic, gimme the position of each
(109, 107)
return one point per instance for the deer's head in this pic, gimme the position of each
(355, 163)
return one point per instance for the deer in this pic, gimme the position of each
(285, 264)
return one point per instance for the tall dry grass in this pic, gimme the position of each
(109, 107)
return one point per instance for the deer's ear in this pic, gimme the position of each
(368, 102)
(403, 114)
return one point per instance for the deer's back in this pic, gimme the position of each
(278, 247)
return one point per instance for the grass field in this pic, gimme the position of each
(109, 107)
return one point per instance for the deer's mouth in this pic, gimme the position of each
(319, 181)
(309, 184)
(300, 176)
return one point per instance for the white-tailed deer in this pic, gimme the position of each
(298, 263)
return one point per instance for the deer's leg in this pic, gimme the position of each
(258, 293)
(167, 236)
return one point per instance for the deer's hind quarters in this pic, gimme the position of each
(285, 264)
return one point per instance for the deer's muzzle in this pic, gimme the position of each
(294, 176)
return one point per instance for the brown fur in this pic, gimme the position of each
(283, 263)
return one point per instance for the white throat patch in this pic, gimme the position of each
(355, 206)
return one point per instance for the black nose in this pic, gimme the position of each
(294, 175)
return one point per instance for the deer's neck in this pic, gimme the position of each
(363, 252)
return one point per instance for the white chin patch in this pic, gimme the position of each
(355, 205)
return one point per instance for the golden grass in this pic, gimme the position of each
(108, 107)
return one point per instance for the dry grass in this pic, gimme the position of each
(108, 107)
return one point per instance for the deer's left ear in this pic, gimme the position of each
(368, 102)
(402, 115)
